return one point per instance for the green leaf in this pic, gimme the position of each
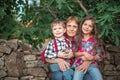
(102, 33)
(50, 2)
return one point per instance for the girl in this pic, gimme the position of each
(90, 49)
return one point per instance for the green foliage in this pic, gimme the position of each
(8, 24)
(106, 13)
(108, 19)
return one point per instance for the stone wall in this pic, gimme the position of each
(111, 68)
(19, 61)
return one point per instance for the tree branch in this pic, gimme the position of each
(54, 15)
(83, 7)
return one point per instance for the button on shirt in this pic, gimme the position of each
(87, 46)
(61, 45)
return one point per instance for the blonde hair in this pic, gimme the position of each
(58, 22)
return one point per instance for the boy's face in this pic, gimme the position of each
(58, 30)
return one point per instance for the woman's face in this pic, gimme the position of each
(71, 28)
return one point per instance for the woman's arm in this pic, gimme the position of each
(90, 57)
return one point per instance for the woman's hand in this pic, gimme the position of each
(62, 64)
(84, 66)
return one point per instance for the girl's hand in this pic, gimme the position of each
(83, 67)
(88, 56)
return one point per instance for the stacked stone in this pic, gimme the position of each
(112, 63)
(18, 61)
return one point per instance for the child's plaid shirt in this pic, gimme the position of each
(87, 46)
(61, 45)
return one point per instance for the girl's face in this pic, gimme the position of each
(71, 28)
(58, 30)
(87, 27)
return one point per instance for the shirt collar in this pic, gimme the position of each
(90, 39)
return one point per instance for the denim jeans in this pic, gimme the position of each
(67, 75)
(57, 75)
(87, 76)
(93, 71)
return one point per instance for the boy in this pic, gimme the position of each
(59, 46)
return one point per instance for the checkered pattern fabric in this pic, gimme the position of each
(61, 45)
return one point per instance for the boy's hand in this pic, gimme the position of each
(69, 55)
(61, 54)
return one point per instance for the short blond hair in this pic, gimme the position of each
(55, 22)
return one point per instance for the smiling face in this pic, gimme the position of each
(87, 27)
(71, 28)
(58, 31)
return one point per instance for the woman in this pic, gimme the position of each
(72, 24)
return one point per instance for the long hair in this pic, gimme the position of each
(98, 43)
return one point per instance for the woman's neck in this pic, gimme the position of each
(69, 37)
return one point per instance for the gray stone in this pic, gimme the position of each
(117, 59)
(111, 73)
(114, 48)
(36, 72)
(29, 57)
(14, 63)
(26, 77)
(109, 67)
(1, 63)
(111, 78)
(118, 67)
(24, 46)
(5, 49)
(2, 73)
(31, 63)
(11, 78)
(27, 52)
(1, 54)
(13, 44)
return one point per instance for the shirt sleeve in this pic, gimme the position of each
(50, 50)
(98, 53)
